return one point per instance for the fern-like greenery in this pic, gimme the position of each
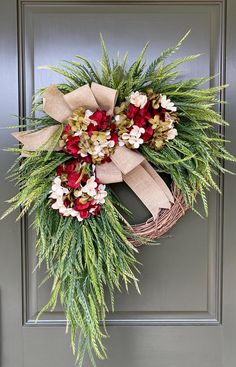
(85, 258)
(196, 155)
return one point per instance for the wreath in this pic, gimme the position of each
(101, 126)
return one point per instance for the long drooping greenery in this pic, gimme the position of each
(81, 258)
(84, 258)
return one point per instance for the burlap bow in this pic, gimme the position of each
(127, 165)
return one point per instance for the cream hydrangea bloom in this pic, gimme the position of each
(101, 194)
(137, 99)
(90, 187)
(57, 193)
(133, 137)
(166, 103)
(171, 134)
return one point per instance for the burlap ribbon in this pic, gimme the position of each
(127, 165)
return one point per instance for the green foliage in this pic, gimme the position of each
(85, 258)
(33, 176)
(196, 155)
(82, 258)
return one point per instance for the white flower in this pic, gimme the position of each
(57, 193)
(88, 113)
(137, 131)
(57, 189)
(78, 132)
(73, 212)
(101, 194)
(135, 142)
(121, 142)
(64, 211)
(97, 149)
(93, 168)
(57, 180)
(53, 195)
(79, 217)
(137, 99)
(171, 134)
(166, 103)
(56, 185)
(111, 143)
(78, 193)
(90, 187)
(133, 137)
(58, 204)
(87, 120)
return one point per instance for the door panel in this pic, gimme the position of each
(177, 321)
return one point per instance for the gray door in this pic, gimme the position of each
(186, 315)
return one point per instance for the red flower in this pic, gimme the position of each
(73, 180)
(85, 178)
(147, 111)
(148, 134)
(59, 170)
(140, 121)
(72, 145)
(101, 118)
(78, 206)
(91, 128)
(115, 138)
(113, 127)
(66, 129)
(132, 111)
(70, 166)
(106, 159)
(87, 159)
(66, 202)
(97, 210)
(84, 214)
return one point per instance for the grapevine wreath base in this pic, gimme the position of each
(102, 126)
(155, 228)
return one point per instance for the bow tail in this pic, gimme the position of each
(132, 168)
